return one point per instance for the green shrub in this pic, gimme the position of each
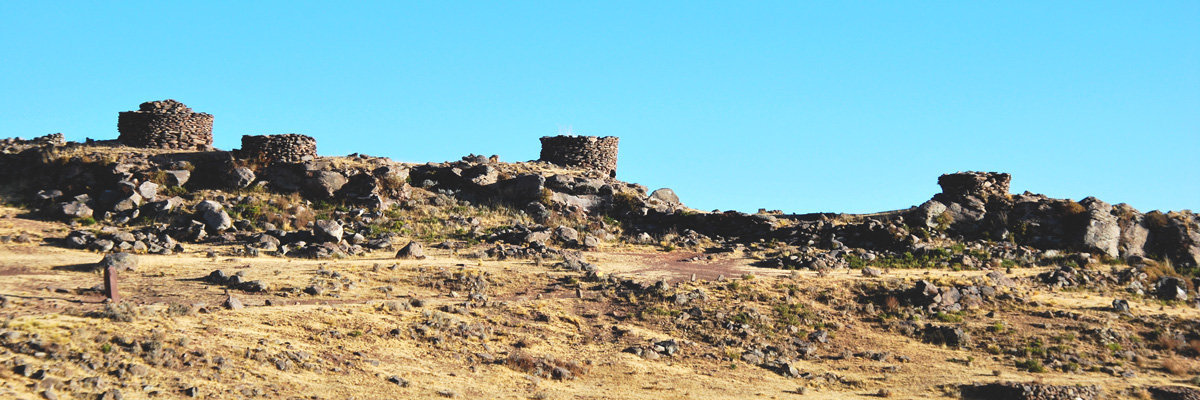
(1031, 365)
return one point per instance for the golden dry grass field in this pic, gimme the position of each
(451, 326)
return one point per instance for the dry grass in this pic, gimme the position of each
(533, 325)
(1176, 366)
(545, 366)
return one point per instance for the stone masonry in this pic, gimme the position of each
(166, 124)
(271, 149)
(587, 152)
(983, 185)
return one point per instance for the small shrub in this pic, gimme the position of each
(120, 312)
(546, 367)
(945, 317)
(179, 310)
(1031, 365)
(1157, 220)
(891, 303)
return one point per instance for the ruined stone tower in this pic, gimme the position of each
(166, 124)
(983, 185)
(271, 149)
(588, 152)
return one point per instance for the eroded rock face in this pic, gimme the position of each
(1102, 232)
(1134, 232)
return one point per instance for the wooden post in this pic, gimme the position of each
(110, 283)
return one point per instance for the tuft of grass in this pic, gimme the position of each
(120, 312)
(1176, 366)
(948, 317)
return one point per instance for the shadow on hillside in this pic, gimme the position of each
(85, 267)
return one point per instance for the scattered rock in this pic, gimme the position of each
(233, 303)
(1121, 306)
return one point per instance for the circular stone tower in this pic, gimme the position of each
(271, 149)
(166, 124)
(587, 152)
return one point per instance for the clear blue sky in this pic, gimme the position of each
(799, 106)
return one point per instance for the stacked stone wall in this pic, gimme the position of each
(271, 149)
(16, 145)
(587, 152)
(982, 185)
(166, 124)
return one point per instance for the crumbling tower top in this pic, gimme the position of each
(981, 185)
(285, 148)
(586, 152)
(166, 124)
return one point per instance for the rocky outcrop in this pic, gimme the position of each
(975, 206)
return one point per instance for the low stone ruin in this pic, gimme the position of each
(288, 148)
(166, 124)
(586, 152)
(16, 145)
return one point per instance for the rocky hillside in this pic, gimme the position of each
(532, 280)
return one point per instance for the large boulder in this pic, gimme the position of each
(126, 203)
(119, 262)
(72, 209)
(148, 190)
(1171, 288)
(929, 215)
(177, 177)
(214, 216)
(327, 231)
(1102, 232)
(323, 184)
(241, 177)
(566, 234)
(664, 200)
(521, 189)
(481, 175)
(413, 250)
